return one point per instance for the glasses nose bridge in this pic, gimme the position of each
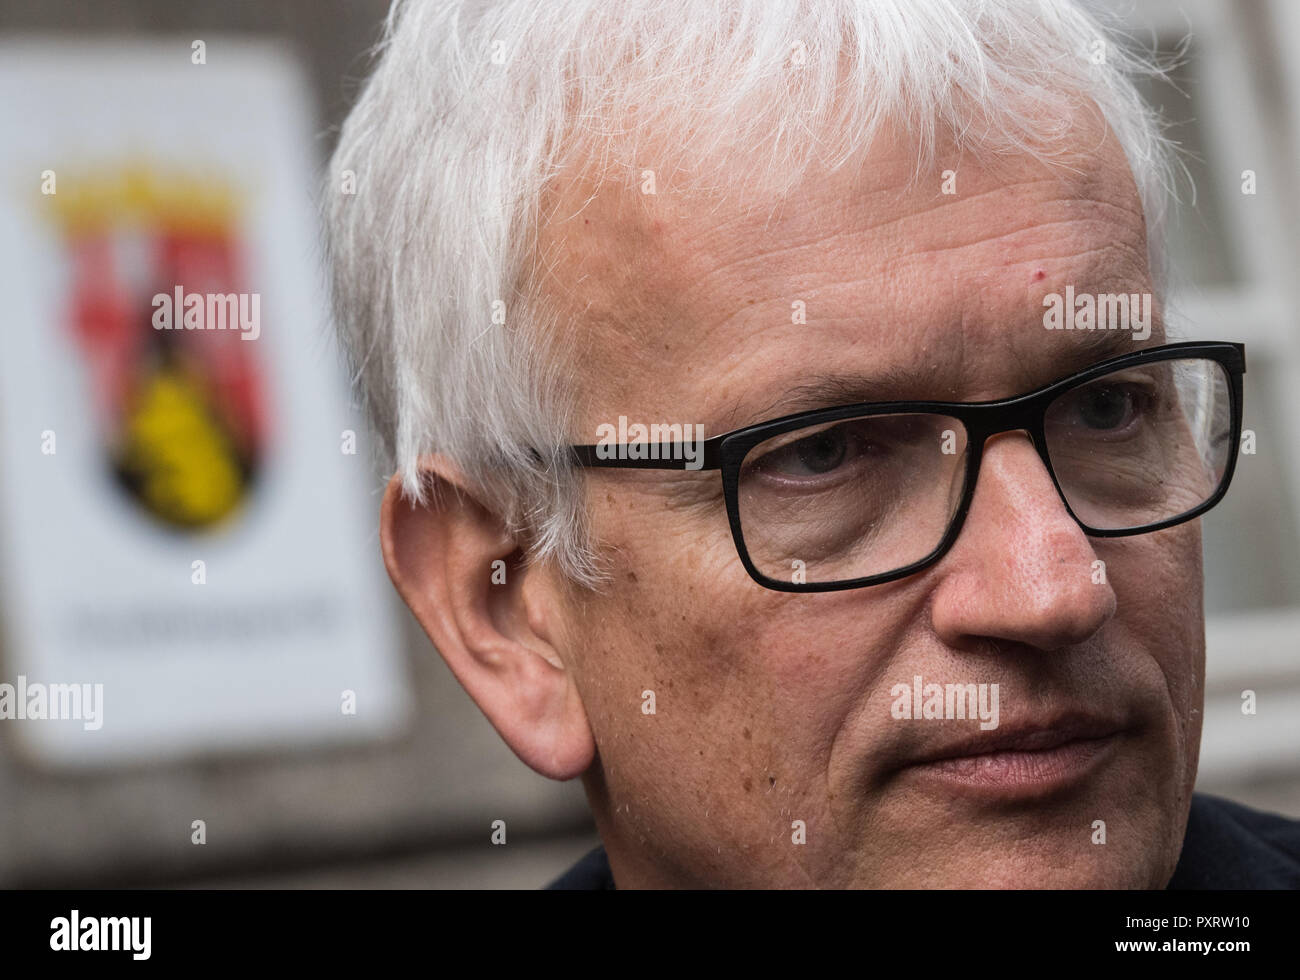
(1025, 415)
(1021, 415)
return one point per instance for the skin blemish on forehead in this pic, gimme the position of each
(1040, 275)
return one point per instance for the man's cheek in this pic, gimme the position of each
(1159, 587)
(1170, 598)
(660, 661)
(720, 703)
(1156, 577)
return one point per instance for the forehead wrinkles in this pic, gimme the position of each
(638, 277)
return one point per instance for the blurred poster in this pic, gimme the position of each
(188, 555)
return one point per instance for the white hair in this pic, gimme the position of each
(473, 108)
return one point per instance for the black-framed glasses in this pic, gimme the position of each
(858, 495)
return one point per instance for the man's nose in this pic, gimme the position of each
(1022, 570)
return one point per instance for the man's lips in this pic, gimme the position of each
(1022, 758)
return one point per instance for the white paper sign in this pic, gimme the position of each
(184, 508)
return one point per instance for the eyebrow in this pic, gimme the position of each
(825, 391)
(1094, 346)
(915, 384)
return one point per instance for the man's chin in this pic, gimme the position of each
(1087, 843)
(1083, 876)
(1052, 861)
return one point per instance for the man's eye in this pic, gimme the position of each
(1108, 408)
(815, 455)
(823, 452)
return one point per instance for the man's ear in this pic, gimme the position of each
(496, 636)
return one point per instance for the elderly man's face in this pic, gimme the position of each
(773, 708)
